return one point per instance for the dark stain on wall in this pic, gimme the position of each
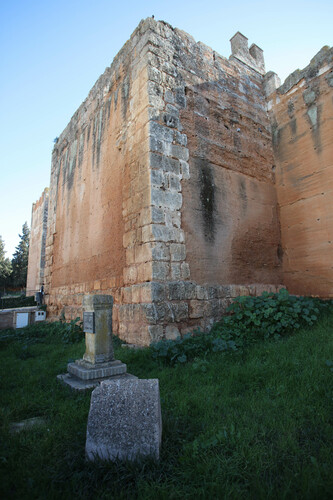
(125, 92)
(70, 172)
(243, 195)
(280, 252)
(314, 118)
(207, 198)
(115, 98)
(276, 140)
(293, 127)
(291, 108)
(98, 130)
(108, 106)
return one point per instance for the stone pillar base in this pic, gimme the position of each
(88, 371)
(83, 375)
(78, 384)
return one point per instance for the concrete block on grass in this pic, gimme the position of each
(124, 421)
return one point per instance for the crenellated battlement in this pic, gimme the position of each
(252, 57)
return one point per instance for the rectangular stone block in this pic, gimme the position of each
(144, 271)
(180, 139)
(85, 371)
(155, 332)
(143, 253)
(157, 215)
(190, 290)
(185, 169)
(160, 251)
(174, 182)
(136, 293)
(157, 291)
(157, 178)
(154, 74)
(166, 164)
(130, 274)
(171, 332)
(180, 311)
(176, 290)
(177, 251)
(202, 293)
(176, 271)
(197, 308)
(160, 270)
(159, 232)
(179, 152)
(124, 421)
(160, 132)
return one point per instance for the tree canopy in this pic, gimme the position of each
(20, 258)
(5, 264)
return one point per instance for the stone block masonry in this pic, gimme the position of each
(162, 188)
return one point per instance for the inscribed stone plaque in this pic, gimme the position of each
(89, 322)
(124, 420)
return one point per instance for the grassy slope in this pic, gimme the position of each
(256, 424)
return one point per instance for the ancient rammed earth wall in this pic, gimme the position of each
(162, 186)
(99, 185)
(302, 125)
(230, 207)
(39, 216)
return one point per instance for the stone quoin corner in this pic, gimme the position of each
(186, 179)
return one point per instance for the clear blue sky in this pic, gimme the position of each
(53, 52)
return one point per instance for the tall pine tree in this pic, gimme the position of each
(20, 258)
(5, 265)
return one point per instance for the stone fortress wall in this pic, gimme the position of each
(163, 190)
(301, 113)
(38, 231)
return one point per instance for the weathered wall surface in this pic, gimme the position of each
(36, 260)
(99, 186)
(161, 189)
(302, 118)
(208, 133)
(229, 200)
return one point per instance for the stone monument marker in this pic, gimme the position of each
(98, 361)
(124, 421)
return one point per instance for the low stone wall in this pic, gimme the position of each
(8, 316)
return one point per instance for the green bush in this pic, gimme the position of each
(248, 319)
(72, 332)
(270, 315)
(190, 347)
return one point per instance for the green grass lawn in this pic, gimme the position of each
(255, 423)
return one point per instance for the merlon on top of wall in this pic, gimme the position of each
(40, 200)
(253, 56)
